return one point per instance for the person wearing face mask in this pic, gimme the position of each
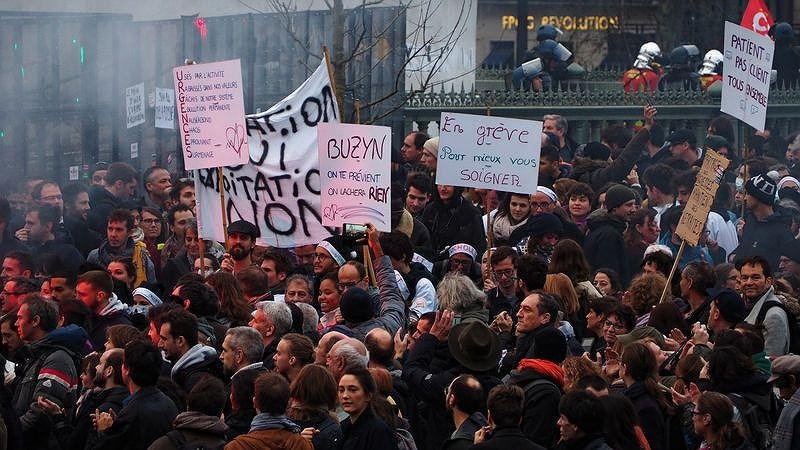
(206, 265)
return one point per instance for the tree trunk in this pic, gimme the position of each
(337, 60)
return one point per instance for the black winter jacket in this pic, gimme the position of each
(147, 416)
(765, 238)
(453, 223)
(597, 173)
(604, 246)
(102, 202)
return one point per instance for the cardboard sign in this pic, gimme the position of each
(211, 114)
(695, 214)
(745, 74)
(355, 175)
(134, 105)
(165, 108)
(278, 190)
(489, 152)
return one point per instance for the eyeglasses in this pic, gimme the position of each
(540, 205)
(50, 198)
(151, 221)
(616, 326)
(344, 285)
(460, 262)
(508, 273)
(321, 257)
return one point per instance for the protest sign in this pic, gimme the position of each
(165, 108)
(278, 190)
(746, 74)
(695, 214)
(134, 105)
(354, 165)
(134, 150)
(211, 114)
(489, 152)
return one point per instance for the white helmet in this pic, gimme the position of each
(711, 63)
(647, 53)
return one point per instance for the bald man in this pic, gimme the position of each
(380, 347)
(346, 353)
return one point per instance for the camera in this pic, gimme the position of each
(354, 233)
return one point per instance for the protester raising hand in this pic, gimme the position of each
(441, 326)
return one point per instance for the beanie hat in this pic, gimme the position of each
(538, 225)
(550, 344)
(356, 305)
(618, 195)
(762, 188)
(338, 249)
(432, 145)
(730, 305)
(596, 150)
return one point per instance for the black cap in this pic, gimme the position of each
(730, 305)
(244, 227)
(681, 136)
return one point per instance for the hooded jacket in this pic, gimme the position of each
(115, 313)
(194, 364)
(197, 429)
(48, 371)
(543, 383)
(604, 246)
(457, 221)
(766, 238)
(597, 173)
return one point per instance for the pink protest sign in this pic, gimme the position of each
(210, 109)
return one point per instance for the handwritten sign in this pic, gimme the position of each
(165, 108)
(134, 150)
(211, 114)
(695, 213)
(354, 171)
(278, 189)
(489, 152)
(746, 74)
(134, 105)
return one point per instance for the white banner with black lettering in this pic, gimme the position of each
(278, 190)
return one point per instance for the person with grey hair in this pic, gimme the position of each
(310, 320)
(558, 126)
(344, 354)
(459, 294)
(272, 320)
(242, 349)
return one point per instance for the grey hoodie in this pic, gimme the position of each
(195, 355)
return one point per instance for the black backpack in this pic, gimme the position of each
(178, 439)
(794, 327)
(758, 423)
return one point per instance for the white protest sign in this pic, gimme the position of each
(489, 152)
(134, 105)
(278, 190)
(165, 108)
(211, 114)
(745, 74)
(355, 176)
(74, 173)
(134, 150)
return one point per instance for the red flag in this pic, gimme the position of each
(757, 17)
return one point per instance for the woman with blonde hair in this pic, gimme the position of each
(644, 294)
(577, 367)
(571, 324)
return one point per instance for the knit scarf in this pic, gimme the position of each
(266, 421)
(502, 228)
(544, 367)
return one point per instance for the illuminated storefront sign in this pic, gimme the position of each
(565, 23)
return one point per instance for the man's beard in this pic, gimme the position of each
(239, 253)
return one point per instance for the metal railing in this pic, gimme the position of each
(589, 112)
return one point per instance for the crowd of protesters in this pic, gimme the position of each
(484, 319)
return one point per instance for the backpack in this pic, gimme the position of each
(794, 327)
(758, 424)
(178, 440)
